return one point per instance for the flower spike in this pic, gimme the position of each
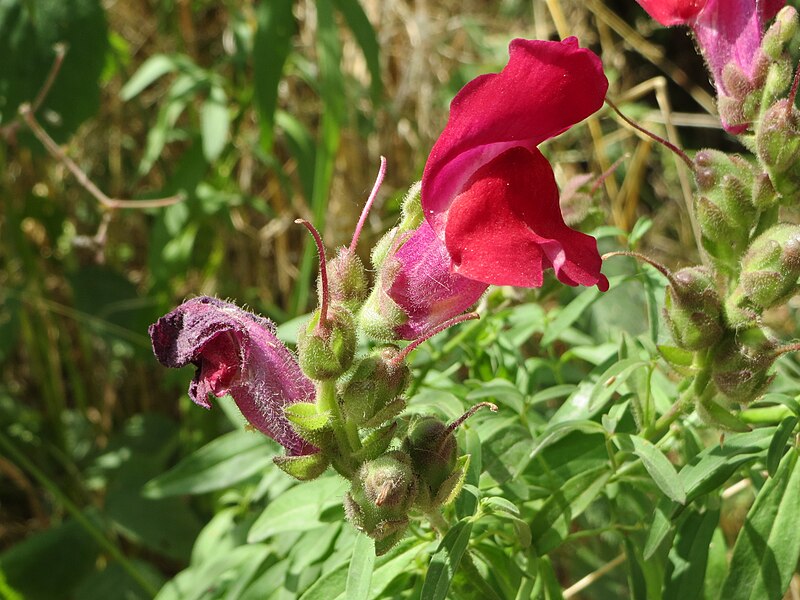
(323, 271)
(372, 195)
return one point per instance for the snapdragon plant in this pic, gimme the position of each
(637, 458)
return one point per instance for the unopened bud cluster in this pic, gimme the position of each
(715, 312)
(394, 466)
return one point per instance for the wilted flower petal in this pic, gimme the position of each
(236, 353)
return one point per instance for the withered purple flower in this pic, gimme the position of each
(236, 353)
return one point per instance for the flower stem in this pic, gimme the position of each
(327, 401)
(438, 522)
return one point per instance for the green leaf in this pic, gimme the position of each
(659, 528)
(689, 556)
(657, 465)
(444, 562)
(553, 434)
(550, 588)
(221, 463)
(719, 416)
(359, 574)
(365, 36)
(717, 566)
(768, 545)
(28, 33)
(642, 226)
(272, 43)
(466, 504)
(679, 359)
(496, 503)
(550, 526)
(50, 563)
(611, 379)
(214, 124)
(153, 68)
(500, 390)
(778, 444)
(569, 314)
(299, 508)
(714, 465)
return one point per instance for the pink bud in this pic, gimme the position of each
(424, 286)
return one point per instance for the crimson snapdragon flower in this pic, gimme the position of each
(236, 353)
(729, 34)
(489, 196)
(489, 193)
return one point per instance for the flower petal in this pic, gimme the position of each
(424, 286)
(730, 31)
(506, 228)
(546, 88)
(673, 12)
(236, 353)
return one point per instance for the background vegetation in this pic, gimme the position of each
(259, 113)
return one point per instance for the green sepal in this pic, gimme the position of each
(388, 412)
(452, 486)
(304, 468)
(386, 543)
(680, 360)
(380, 315)
(307, 416)
(375, 443)
(325, 353)
(717, 416)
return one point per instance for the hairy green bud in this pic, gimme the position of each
(348, 279)
(693, 309)
(433, 450)
(380, 497)
(769, 274)
(740, 368)
(376, 383)
(778, 146)
(325, 350)
(780, 33)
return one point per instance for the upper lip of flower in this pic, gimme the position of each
(546, 88)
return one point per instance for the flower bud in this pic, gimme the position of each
(348, 279)
(764, 194)
(376, 383)
(693, 309)
(780, 33)
(433, 450)
(769, 274)
(381, 495)
(326, 349)
(740, 368)
(725, 182)
(779, 78)
(416, 289)
(778, 146)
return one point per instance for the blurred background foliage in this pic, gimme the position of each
(258, 113)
